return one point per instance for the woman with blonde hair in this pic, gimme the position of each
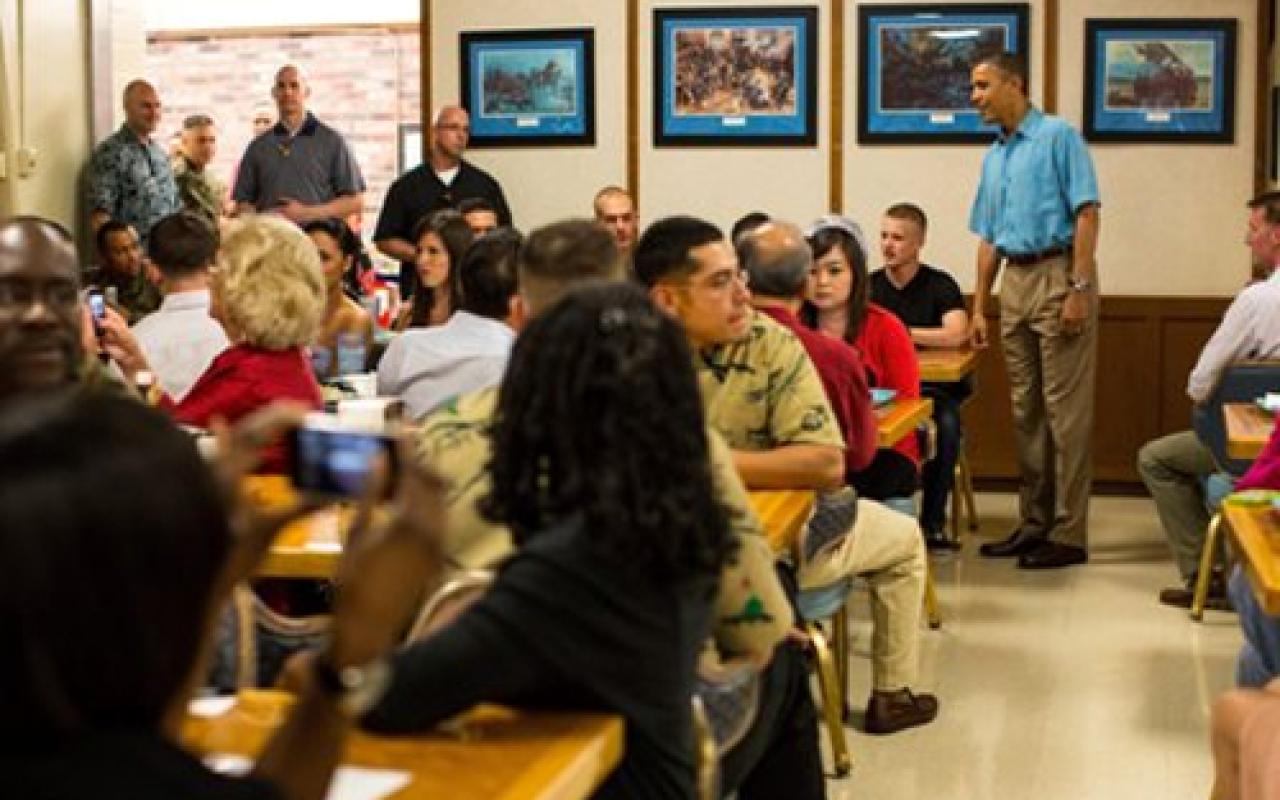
(268, 291)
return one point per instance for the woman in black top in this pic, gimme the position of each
(600, 469)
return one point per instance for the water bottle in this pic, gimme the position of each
(350, 354)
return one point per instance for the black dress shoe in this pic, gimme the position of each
(1019, 542)
(1051, 555)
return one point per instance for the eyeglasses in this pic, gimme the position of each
(20, 295)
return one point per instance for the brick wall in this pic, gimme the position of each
(364, 82)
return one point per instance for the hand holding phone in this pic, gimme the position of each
(326, 458)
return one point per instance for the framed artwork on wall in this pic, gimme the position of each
(735, 76)
(1160, 80)
(914, 64)
(529, 87)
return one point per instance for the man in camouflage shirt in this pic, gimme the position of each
(763, 394)
(201, 191)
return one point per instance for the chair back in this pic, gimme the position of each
(449, 601)
(1242, 382)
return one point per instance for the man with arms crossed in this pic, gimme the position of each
(1036, 210)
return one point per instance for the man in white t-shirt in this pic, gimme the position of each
(181, 338)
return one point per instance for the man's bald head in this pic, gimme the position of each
(39, 307)
(450, 133)
(777, 259)
(290, 90)
(141, 107)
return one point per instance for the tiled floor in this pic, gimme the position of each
(1066, 685)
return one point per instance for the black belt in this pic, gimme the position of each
(1022, 259)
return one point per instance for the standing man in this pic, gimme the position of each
(300, 168)
(929, 303)
(1036, 211)
(201, 192)
(616, 211)
(444, 181)
(129, 175)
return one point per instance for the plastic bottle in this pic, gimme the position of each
(350, 354)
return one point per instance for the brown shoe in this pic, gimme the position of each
(890, 712)
(1182, 596)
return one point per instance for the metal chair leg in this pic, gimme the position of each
(840, 647)
(966, 481)
(931, 610)
(831, 700)
(1208, 554)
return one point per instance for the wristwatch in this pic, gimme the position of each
(1079, 284)
(357, 689)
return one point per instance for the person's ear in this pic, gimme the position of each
(517, 312)
(663, 296)
(154, 276)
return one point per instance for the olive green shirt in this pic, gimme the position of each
(763, 392)
(200, 190)
(752, 613)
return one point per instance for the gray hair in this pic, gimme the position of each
(777, 259)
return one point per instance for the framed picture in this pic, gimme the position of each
(1160, 80)
(529, 87)
(735, 76)
(914, 65)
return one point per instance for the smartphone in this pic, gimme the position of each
(327, 459)
(97, 306)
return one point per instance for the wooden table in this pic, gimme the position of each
(1257, 537)
(946, 365)
(900, 417)
(783, 514)
(495, 753)
(1248, 428)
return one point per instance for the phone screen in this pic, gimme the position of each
(97, 305)
(335, 462)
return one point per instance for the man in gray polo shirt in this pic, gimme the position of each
(301, 168)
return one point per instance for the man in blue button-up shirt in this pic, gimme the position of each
(1036, 211)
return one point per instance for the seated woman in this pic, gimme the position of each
(600, 468)
(346, 326)
(109, 596)
(269, 295)
(442, 238)
(838, 306)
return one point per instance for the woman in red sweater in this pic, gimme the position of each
(838, 306)
(268, 292)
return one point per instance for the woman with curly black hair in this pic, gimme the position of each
(600, 468)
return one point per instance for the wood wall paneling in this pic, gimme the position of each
(1146, 347)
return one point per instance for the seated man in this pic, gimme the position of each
(929, 303)
(426, 366)
(765, 398)
(1173, 467)
(480, 215)
(180, 339)
(120, 269)
(752, 612)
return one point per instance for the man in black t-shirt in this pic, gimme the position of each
(444, 181)
(929, 303)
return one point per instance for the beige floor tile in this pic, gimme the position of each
(1067, 685)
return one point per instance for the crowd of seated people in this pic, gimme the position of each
(588, 408)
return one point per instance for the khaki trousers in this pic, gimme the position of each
(1051, 380)
(885, 547)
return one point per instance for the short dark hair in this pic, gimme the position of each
(489, 279)
(909, 212)
(197, 121)
(104, 594)
(182, 244)
(109, 227)
(469, 204)
(455, 234)
(1013, 65)
(559, 256)
(338, 230)
(747, 223)
(599, 415)
(1269, 202)
(663, 250)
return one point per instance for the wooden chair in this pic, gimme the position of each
(448, 602)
